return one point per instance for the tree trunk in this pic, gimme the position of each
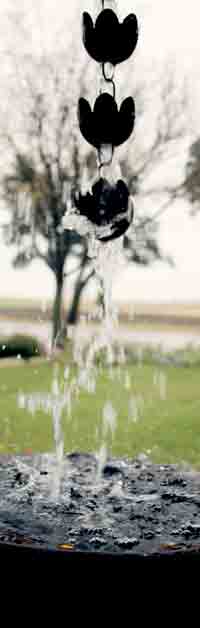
(72, 315)
(57, 312)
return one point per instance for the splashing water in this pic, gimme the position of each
(52, 403)
(101, 457)
(127, 381)
(160, 383)
(105, 259)
(57, 408)
(109, 419)
(133, 409)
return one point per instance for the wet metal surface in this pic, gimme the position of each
(135, 507)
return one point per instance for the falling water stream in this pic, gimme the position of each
(105, 259)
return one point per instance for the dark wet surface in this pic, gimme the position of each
(134, 507)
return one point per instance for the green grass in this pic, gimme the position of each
(167, 428)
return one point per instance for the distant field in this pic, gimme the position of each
(25, 309)
(171, 313)
(166, 313)
(147, 314)
(20, 304)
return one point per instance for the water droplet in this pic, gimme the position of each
(101, 460)
(160, 383)
(109, 419)
(66, 372)
(127, 381)
(133, 411)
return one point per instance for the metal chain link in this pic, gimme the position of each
(110, 81)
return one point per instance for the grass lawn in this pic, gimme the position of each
(158, 411)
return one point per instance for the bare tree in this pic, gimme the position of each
(191, 183)
(44, 165)
(46, 158)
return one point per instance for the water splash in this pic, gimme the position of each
(105, 258)
(109, 420)
(52, 403)
(133, 410)
(57, 408)
(101, 457)
(160, 383)
(127, 381)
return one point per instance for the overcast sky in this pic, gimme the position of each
(166, 28)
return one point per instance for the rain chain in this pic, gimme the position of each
(108, 205)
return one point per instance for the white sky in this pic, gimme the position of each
(172, 28)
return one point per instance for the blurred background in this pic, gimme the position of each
(42, 60)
